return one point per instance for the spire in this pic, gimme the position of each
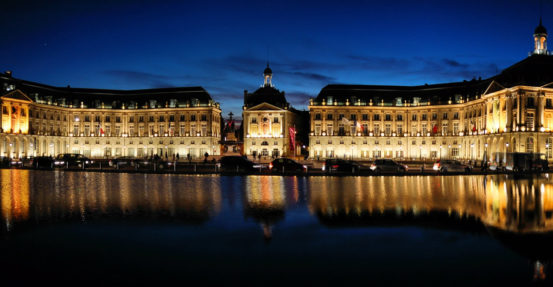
(540, 40)
(267, 75)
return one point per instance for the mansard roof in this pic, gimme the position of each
(536, 70)
(266, 94)
(92, 98)
(435, 94)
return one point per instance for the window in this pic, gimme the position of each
(141, 119)
(151, 119)
(377, 129)
(172, 118)
(117, 119)
(434, 116)
(131, 119)
(444, 116)
(388, 117)
(353, 117)
(388, 129)
(423, 117)
(424, 128)
(204, 118)
(414, 117)
(275, 120)
(444, 129)
(376, 117)
(87, 118)
(108, 119)
(317, 117)
(456, 116)
(329, 130)
(318, 129)
(455, 151)
(399, 129)
(329, 117)
(341, 130)
(340, 117)
(530, 102)
(254, 120)
(365, 117)
(530, 121)
(399, 118)
(161, 118)
(192, 118)
(530, 144)
(182, 118)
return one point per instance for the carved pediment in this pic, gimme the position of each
(17, 95)
(493, 87)
(265, 107)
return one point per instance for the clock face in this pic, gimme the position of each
(265, 119)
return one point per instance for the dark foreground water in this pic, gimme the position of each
(86, 228)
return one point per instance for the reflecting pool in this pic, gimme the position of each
(89, 228)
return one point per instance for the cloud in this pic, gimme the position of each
(423, 69)
(141, 78)
(314, 77)
(298, 99)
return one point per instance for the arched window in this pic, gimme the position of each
(530, 144)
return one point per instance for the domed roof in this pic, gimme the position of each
(540, 29)
(267, 70)
(266, 94)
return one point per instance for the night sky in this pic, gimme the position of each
(224, 46)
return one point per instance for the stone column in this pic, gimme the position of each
(509, 114)
(541, 108)
(522, 109)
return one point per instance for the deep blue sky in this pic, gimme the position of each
(223, 46)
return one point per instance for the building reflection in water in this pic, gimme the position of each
(266, 199)
(67, 196)
(517, 212)
(15, 196)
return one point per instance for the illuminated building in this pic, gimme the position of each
(43, 120)
(269, 123)
(510, 112)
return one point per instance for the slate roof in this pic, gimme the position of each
(91, 97)
(266, 94)
(536, 70)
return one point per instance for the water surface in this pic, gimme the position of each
(88, 228)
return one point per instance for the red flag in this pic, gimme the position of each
(292, 131)
(474, 128)
(101, 131)
(435, 129)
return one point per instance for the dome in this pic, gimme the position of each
(267, 70)
(266, 94)
(540, 29)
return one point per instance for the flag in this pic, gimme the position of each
(345, 121)
(292, 131)
(435, 129)
(474, 128)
